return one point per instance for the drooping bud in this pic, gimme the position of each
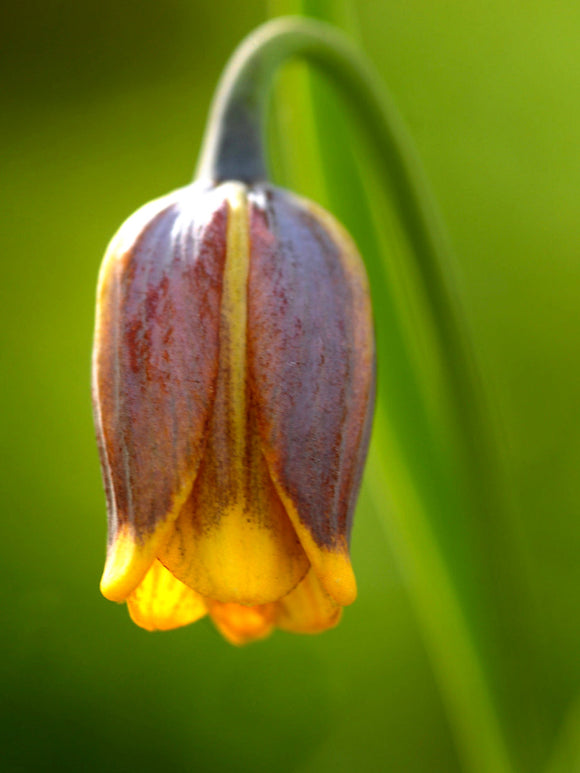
(233, 386)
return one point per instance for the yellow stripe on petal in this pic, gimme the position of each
(241, 625)
(161, 602)
(233, 541)
(308, 608)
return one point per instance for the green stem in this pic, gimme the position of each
(233, 149)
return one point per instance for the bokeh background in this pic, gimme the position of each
(103, 107)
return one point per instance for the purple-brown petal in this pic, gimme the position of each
(312, 372)
(155, 369)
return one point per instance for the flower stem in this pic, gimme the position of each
(233, 149)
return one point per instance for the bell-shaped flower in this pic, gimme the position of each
(233, 388)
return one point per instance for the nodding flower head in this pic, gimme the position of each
(233, 389)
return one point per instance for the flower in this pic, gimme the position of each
(233, 390)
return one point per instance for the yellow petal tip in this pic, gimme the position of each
(336, 576)
(308, 608)
(126, 565)
(241, 625)
(161, 602)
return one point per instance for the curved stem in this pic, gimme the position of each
(233, 148)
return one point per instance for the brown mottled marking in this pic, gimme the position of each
(155, 363)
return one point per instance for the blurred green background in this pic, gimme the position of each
(103, 107)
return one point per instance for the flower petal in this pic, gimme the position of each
(312, 372)
(308, 608)
(160, 602)
(154, 371)
(240, 624)
(233, 541)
